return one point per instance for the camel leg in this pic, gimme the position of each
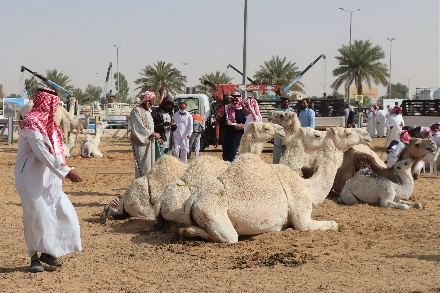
(411, 204)
(387, 200)
(302, 220)
(348, 197)
(194, 231)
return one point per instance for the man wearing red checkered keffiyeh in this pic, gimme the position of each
(50, 222)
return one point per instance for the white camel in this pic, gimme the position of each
(257, 135)
(143, 192)
(367, 186)
(90, 146)
(288, 120)
(253, 197)
(170, 204)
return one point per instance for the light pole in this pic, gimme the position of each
(351, 13)
(409, 78)
(244, 48)
(391, 42)
(117, 65)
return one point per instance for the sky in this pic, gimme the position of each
(77, 37)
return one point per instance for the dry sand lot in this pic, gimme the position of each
(375, 250)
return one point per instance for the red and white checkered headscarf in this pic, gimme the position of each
(230, 110)
(251, 105)
(41, 119)
(147, 98)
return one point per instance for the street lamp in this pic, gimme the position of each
(117, 65)
(351, 12)
(391, 42)
(409, 78)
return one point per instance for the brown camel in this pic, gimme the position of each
(416, 148)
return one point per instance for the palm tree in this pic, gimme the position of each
(360, 63)
(160, 76)
(277, 72)
(60, 79)
(215, 78)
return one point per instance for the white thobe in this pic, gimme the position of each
(144, 155)
(395, 121)
(371, 124)
(50, 221)
(381, 129)
(184, 129)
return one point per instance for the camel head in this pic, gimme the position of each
(345, 138)
(285, 119)
(419, 148)
(313, 139)
(264, 131)
(404, 165)
(365, 136)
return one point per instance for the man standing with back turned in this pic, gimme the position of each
(50, 222)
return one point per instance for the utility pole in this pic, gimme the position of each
(391, 42)
(409, 78)
(117, 66)
(244, 48)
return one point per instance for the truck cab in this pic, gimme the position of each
(194, 102)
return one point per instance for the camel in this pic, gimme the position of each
(68, 147)
(256, 135)
(89, 147)
(143, 192)
(417, 149)
(253, 197)
(79, 125)
(367, 186)
(23, 110)
(170, 204)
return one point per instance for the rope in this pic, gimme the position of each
(186, 183)
(285, 192)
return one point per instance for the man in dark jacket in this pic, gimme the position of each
(164, 124)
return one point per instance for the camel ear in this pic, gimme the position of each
(332, 130)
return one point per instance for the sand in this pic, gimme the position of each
(375, 250)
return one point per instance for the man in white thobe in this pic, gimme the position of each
(50, 222)
(182, 134)
(394, 125)
(142, 137)
(381, 117)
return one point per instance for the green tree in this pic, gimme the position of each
(13, 96)
(398, 91)
(360, 63)
(215, 78)
(60, 79)
(90, 94)
(2, 94)
(123, 88)
(31, 85)
(277, 72)
(160, 75)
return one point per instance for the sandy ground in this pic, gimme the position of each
(375, 250)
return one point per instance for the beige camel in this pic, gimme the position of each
(63, 117)
(23, 110)
(256, 135)
(253, 197)
(143, 192)
(68, 147)
(288, 120)
(170, 204)
(416, 148)
(79, 125)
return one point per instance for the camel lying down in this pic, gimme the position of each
(253, 197)
(367, 186)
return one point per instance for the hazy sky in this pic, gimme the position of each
(77, 37)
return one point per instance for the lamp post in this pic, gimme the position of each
(409, 78)
(117, 65)
(245, 48)
(391, 42)
(351, 13)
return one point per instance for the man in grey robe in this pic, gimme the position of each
(142, 137)
(278, 146)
